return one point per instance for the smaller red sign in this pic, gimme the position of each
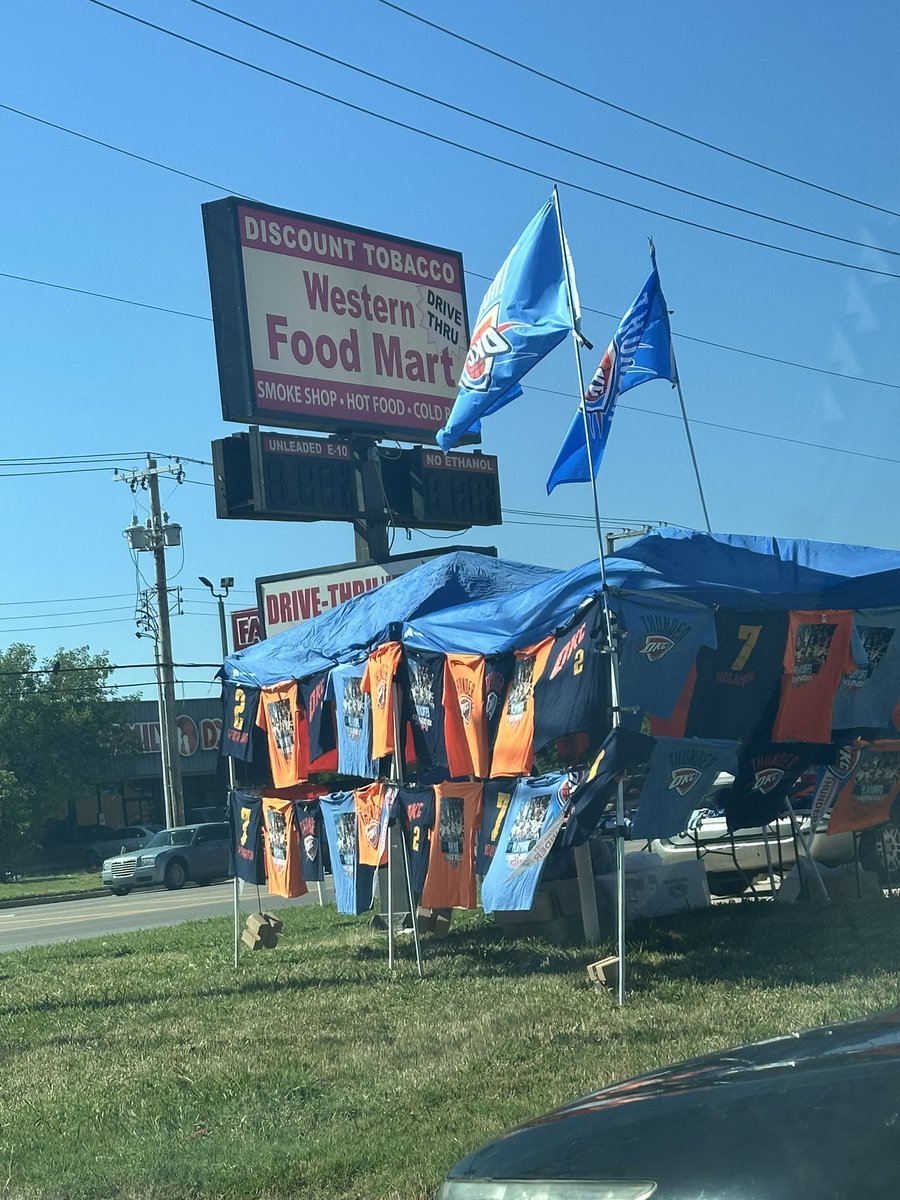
(245, 628)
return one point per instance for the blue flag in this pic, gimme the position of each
(641, 350)
(524, 314)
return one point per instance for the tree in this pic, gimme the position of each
(60, 724)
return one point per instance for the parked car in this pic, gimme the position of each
(106, 841)
(172, 857)
(734, 862)
(811, 1115)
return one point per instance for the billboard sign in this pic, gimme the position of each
(332, 327)
(289, 600)
(244, 628)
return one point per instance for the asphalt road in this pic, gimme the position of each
(44, 924)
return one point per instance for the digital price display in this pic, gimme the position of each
(452, 491)
(306, 477)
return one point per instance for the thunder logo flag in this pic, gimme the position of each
(524, 314)
(641, 350)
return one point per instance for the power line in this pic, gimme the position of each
(67, 599)
(474, 274)
(61, 287)
(77, 613)
(535, 139)
(482, 154)
(751, 162)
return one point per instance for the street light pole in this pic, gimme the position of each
(226, 584)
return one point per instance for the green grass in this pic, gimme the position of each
(141, 1067)
(50, 884)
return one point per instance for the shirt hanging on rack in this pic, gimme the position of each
(658, 645)
(817, 655)
(354, 883)
(424, 688)
(514, 749)
(279, 715)
(738, 682)
(308, 818)
(239, 704)
(465, 732)
(450, 882)
(353, 719)
(321, 733)
(246, 827)
(372, 814)
(572, 693)
(377, 682)
(516, 869)
(284, 870)
(416, 807)
(867, 696)
(498, 794)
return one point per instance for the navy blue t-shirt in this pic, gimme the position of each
(572, 694)
(498, 795)
(415, 806)
(239, 704)
(308, 821)
(319, 715)
(246, 824)
(424, 694)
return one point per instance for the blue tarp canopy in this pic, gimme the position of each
(351, 629)
(468, 602)
(730, 570)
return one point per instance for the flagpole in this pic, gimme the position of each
(684, 416)
(613, 655)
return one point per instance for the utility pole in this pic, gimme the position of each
(154, 537)
(166, 670)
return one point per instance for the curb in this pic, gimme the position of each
(30, 901)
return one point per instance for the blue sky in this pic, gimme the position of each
(799, 87)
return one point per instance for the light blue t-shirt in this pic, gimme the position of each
(353, 719)
(535, 805)
(354, 883)
(867, 697)
(658, 649)
(680, 773)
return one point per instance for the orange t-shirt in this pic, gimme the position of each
(371, 821)
(450, 882)
(281, 841)
(377, 680)
(815, 658)
(868, 796)
(280, 716)
(465, 728)
(513, 746)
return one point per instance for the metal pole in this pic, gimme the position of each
(805, 844)
(165, 640)
(690, 442)
(687, 428)
(587, 885)
(769, 859)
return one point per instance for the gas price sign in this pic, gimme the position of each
(455, 490)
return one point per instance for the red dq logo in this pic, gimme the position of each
(188, 737)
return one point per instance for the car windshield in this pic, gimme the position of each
(171, 837)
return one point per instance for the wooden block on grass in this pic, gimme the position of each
(275, 923)
(605, 973)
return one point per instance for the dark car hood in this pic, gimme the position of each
(813, 1115)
